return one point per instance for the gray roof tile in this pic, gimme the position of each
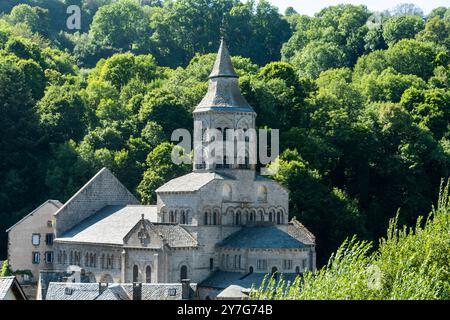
(265, 237)
(190, 182)
(110, 225)
(5, 285)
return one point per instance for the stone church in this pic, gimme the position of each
(220, 225)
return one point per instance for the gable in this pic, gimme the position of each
(144, 235)
(104, 189)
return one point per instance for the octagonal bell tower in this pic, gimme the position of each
(224, 108)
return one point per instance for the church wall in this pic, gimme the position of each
(95, 270)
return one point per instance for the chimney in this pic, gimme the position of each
(102, 287)
(185, 289)
(137, 291)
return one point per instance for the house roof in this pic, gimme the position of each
(10, 283)
(264, 237)
(190, 182)
(72, 291)
(56, 203)
(5, 284)
(109, 225)
(115, 291)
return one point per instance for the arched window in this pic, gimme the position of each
(135, 273)
(86, 259)
(275, 272)
(278, 217)
(237, 218)
(206, 218)
(214, 222)
(148, 274)
(71, 257)
(102, 261)
(262, 194)
(111, 265)
(171, 217)
(227, 192)
(183, 217)
(261, 215)
(183, 273)
(250, 270)
(297, 270)
(64, 257)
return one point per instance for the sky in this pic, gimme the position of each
(310, 7)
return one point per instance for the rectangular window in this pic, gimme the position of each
(211, 264)
(49, 223)
(262, 265)
(49, 257)
(287, 264)
(36, 257)
(49, 239)
(304, 266)
(36, 239)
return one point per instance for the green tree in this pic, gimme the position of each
(402, 27)
(62, 113)
(159, 170)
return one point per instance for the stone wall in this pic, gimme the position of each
(102, 190)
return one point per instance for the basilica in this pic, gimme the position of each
(222, 225)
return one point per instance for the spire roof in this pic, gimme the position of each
(223, 90)
(223, 67)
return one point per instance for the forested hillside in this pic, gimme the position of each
(362, 102)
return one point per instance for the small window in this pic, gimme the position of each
(304, 261)
(49, 223)
(68, 291)
(211, 264)
(49, 257)
(36, 239)
(36, 257)
(262, 264)
(287, 264)
(172, 292)
(49, 239)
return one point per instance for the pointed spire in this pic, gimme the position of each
(223, 67)
(223, 89)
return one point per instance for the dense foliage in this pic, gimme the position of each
(363, 103)
(410, 263)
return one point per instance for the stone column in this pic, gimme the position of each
(155, 268)
(123, 267)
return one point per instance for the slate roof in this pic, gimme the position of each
(109, 225)
(297, 230)
(122, 291)
(223, 93)
(190, 182)
(72, 291)
(5, 284)
(175, 235)
(56, 203)
(264, 237)
(224, 279)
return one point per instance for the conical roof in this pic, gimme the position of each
(223, 67)
(223, 90)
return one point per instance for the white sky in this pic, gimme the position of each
(310, 7)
